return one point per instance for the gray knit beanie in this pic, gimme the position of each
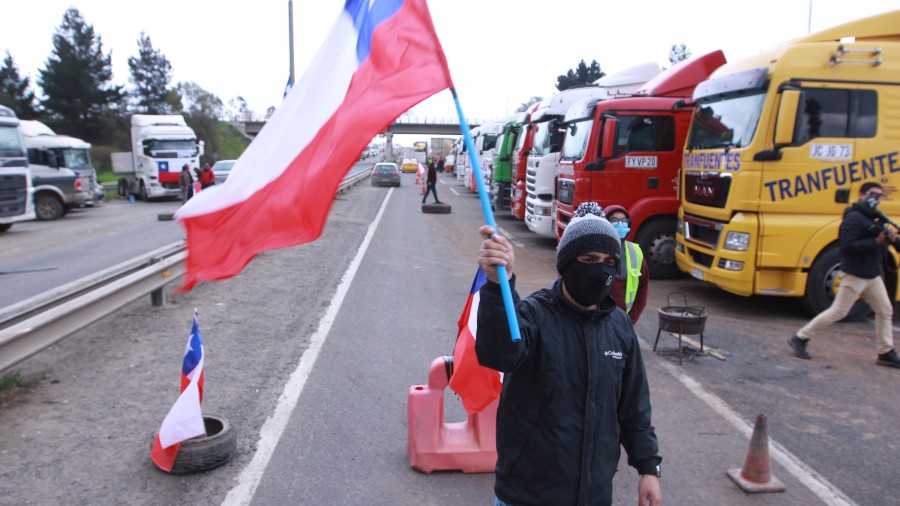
(588, 231)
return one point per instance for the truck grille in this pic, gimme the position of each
(701, 258)
(13, 195)
(707, 189)
(703, 231)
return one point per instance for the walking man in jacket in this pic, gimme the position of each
(431, 182)
(186, 183)
(574, 386)
(632, 283)
(863, 245)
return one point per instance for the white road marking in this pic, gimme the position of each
(454, 191)
(510, 237)
(442, 181)
(274, 426)
(825, 490)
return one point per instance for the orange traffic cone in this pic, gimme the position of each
(417, 178)
(756, 476)
(423, 187)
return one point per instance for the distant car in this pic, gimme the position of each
(222, 169)
(410, 165)
(385, 174)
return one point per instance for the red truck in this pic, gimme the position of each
(520, 165)
(627, 151)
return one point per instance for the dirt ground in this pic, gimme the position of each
(82, 436)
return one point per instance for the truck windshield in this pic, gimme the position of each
(489, 142)
(10, 142)
(727, 121)
(158, 148)
(541, 141)
(576, 141)
(77, 158)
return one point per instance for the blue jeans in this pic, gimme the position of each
(431, 189)
(498, 502)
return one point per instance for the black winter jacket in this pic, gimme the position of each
(861, 256)
(574, 389)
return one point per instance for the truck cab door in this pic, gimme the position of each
(813, 166)
(633, 170)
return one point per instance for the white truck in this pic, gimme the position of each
(543, 160)
(160, 147)
(16, 192)
(485, 139)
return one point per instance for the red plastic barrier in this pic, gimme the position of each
(470, 446)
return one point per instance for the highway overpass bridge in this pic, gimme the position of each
(406, 125)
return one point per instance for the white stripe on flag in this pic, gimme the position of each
(185, 419)
(310, 104)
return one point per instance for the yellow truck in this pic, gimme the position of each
(780, 144)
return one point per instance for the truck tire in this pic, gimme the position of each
(436, 208)
(123, 187)
(143, 193)
(657, 242)
(822, 284)
(204, 453)
(48, 208)
(5, 226)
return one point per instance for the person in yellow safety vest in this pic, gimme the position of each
(632, 284)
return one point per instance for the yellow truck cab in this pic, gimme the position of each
(780, 144)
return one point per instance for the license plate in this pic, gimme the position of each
(827, 152)
(640, 162)
(697, 273)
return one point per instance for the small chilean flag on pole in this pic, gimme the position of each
(380, 58)
(476, 386)
(185, 419)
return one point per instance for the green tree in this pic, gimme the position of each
(76, 80)
(679, 52)
(581, 74)
(201, 110)
(14, 90)
(151, 73)
(528, 103)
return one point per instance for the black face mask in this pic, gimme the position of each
(588, 284)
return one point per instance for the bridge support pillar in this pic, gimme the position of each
(388, 147)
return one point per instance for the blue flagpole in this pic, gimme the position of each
(489, 218)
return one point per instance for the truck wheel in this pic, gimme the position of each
(143, 194)
(123, 187)
(5, 226)
(823, 283)
(204, 453)
(48, 208)
(657, 242)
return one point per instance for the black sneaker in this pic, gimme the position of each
(889, 359)
(799, 346)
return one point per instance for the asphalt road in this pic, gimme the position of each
(345, 440)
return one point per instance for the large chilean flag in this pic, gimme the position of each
(380, 58)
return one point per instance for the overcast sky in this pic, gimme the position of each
(496, 48)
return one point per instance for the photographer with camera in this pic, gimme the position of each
(863, 241)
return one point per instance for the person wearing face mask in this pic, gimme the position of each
(863, 242)
(574, 385)
(632, 282)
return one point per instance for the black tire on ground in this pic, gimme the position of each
(822, 284)
(48, 208)
(66, 209)
(143, 193)
(436, 208)
(5, 226)
(204, 453)
(657, 242)
(123, 187)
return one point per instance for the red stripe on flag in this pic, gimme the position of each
(477, 386)
(185, 381)
(406, 65)
(164, 458)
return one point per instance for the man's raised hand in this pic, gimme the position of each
(495, 250)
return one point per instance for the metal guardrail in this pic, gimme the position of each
(32, 325)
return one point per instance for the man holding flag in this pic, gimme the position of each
(574, 385)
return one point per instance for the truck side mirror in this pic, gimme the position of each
(787, 117)
(609, 138)
(527, 152)
(52, 161)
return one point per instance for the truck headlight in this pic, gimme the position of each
(679, 226)
(731, 265)
(737, 241)
(541, 211)
(679, 247)
(519, 194)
